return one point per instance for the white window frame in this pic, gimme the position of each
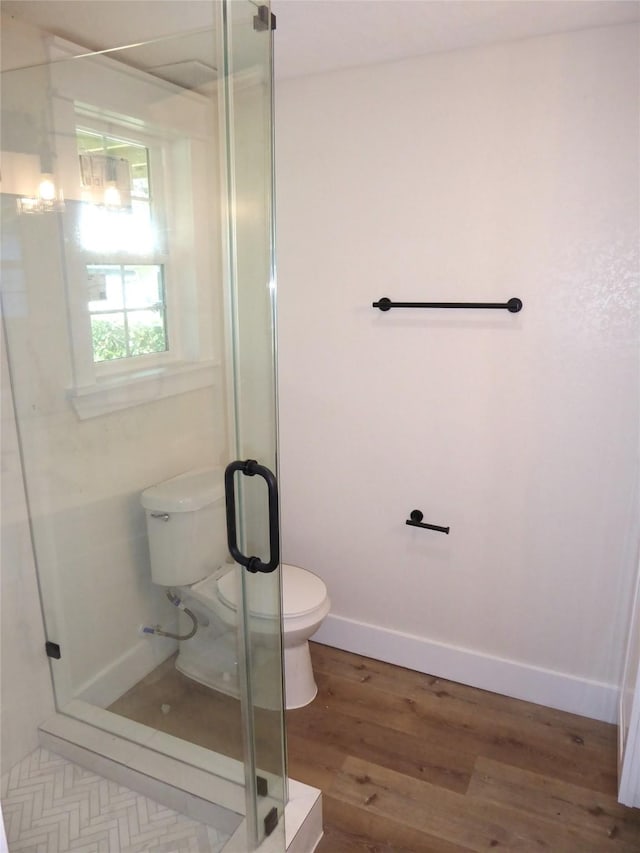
(157, 158)
(192, 360)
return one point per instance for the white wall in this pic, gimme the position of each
(475, 175)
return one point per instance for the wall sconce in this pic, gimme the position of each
(48, 198)
(112, 195)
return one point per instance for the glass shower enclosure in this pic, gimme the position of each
(138, 309)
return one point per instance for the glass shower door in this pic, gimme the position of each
(138, 311)
(250, 255)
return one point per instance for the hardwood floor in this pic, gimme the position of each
(168, 701)
(408, 763)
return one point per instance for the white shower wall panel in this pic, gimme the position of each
(85, 469)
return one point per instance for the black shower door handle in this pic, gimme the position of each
(250, 468)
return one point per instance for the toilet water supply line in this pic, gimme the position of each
(157, 630)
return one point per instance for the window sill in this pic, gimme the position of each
(145, 386)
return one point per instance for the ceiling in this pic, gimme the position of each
(323, 35)
(315, 36)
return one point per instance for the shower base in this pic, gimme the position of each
(142, 759)
(52, 803)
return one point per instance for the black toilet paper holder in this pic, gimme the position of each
(415, 520)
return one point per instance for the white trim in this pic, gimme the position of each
(133, 389)
(629, 710)
(123, 673)
(629, 756)
(511, 678)
(629, 713)
(4, 846)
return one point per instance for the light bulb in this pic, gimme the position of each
(47, 188)
(112, 196)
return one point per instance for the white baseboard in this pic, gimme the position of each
(111, 682)
(519, 680)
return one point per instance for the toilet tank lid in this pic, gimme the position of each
(186, 492)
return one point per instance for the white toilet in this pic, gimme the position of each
(187, 543)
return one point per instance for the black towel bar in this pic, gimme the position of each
(513, 305)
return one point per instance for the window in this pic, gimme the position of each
(139, 257)
(126, 301)
(127, 310)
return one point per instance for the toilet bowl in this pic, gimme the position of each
(305, 603)
(186, 529)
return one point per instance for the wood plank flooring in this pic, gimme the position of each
(168, 701)
(408, 763)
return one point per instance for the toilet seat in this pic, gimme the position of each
(302, 592)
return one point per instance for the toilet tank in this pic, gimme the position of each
(186, 526)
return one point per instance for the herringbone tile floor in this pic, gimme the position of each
(51, 805)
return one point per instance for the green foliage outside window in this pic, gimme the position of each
(110, 339)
